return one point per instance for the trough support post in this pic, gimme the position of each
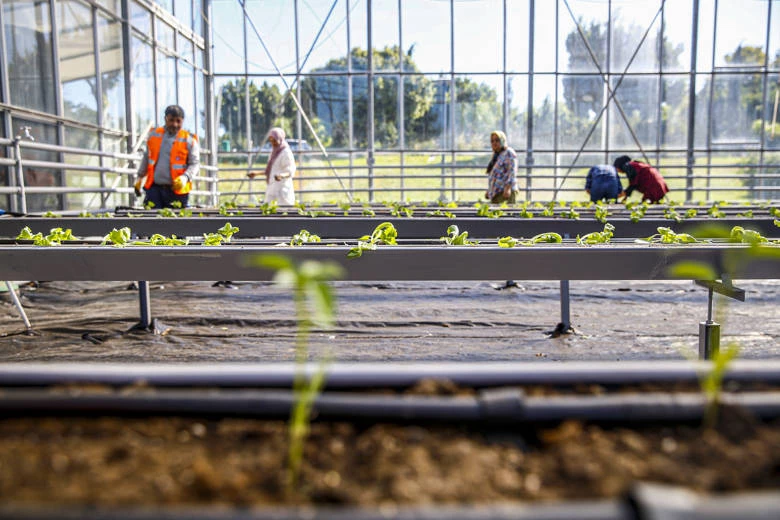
(143, 297)
(709, 331)
(565, 316)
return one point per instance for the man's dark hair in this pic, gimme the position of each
(175, 111)
(621, 162)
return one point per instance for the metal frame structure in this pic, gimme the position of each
(454, 176)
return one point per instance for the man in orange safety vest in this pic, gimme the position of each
(170, 163)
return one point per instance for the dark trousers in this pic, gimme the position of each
(162, 196)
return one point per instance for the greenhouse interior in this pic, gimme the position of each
(463, 259)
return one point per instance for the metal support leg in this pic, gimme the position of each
(18, 305)
(709, 333)
(565, 316)
(143, 297)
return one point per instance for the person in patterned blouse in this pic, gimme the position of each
(502, 168)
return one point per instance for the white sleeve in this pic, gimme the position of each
(287, 162)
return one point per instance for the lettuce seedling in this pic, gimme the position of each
(384, 233)
(228, 230)
(456, 238)
(597, 237)
(117, 237)
(507, 242)
(304, 237)
(666, 236)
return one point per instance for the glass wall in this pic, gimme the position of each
(77, 75)
(571, 82)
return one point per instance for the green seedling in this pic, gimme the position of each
(267, 208)
(456, 238)
(715, 211)
(691, 213)
(301, 207)
(315, 305)
(776, 222)
(601, 214)
(666, 236)
(212, 239)
(543, 238)
(571, 213)
(385, 233)
(549, 209)
(774, 212)
(55, 237)
(149, 205)
(400, 210)
(597, 237)
(671, 214)
(304, 237)
(176, 204)
(483, 210)
(185, 212)
(440, 213)
(50, 214)
(162, 240)
(638, 211)
(451, 205)
(746, 214)
(228, 230)
(345, 207)
(368, 212)
(712, 382)
(85, 214)
(320, 213)
(117, 237)
(166, 212)
(507, 242)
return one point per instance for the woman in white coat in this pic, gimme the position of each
(279, 170)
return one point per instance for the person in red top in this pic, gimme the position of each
(643, 178)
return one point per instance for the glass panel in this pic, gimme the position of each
(569, 176)
(704, 35)
(386, 111)
(183, 12)
(86, 139)
(426, 27)
(142, 84)
(740, 40)
(197, 25)
(678, 20)
(736, 103)
(166, 4)
(332, 43)
(167, 93)
(629, 24)
(112, 72)
(200, 101)
(544, 112)
(702, 126)
(517, 34)
(277, 31)
(517, 99)
(186, 93)
(29, 54)
(578, 107)
(426, 112)
(184, 47)
(325, 98)
(228, 28)
(479, 50)
(384, 14)
(638, 97)
(359, 111)
(674, 112)
(478, 110)
(114, 6)
(140, 18)
(37, 176)
(77, 61)
(771, 114)
(232, 113)
(165, 34)
(573, 55)
(774, 39)
(544, 40)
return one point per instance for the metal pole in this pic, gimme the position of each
(143, 298)
(565, 324)
(529, 138)
(18, 305)
(370, 102)
(691, 141)
(709, 333)
(20, 173)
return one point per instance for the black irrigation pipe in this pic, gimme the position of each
(502, 405)
(354, 227)
(345, 376)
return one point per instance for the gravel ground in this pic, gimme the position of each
(409, 321)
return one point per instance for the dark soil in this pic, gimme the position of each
(166, 461)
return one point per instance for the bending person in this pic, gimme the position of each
(279, 170)
(170, 163)
(643, 178)
(603, 183)
(502, 168)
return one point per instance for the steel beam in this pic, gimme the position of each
(540, 262)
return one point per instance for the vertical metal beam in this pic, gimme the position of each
(453, 95)
(5, 97)
(370, 101)
(529, 138)
(58, 99)
(565, 307)
(606, 86)
(691, 138)
(764, 96)
(247, 116)
(350, 124)
(100, 107)
(144, 304)
(709, 101)
(297, 93)
(661, 96)
(18, 304)
(210, 98)
(555, 105)
(505, 111)
(401, 86)
(127, 66)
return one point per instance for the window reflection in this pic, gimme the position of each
(112, 75)
(142, 85)
(29, 54)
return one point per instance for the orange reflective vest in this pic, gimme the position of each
(179, 153)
